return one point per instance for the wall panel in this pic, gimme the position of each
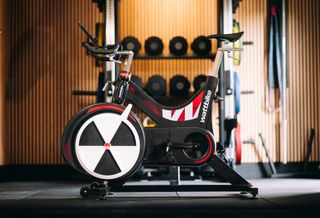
(4, 68)
(303, 71)
(167, 19)
(47, 63)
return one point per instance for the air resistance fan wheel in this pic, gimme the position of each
(105, 141)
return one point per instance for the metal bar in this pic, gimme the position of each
(309, 149)
(266, 150)
(221, 81)
(183, 188)
(284, 121)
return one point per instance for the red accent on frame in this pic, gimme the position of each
(273, 10)
(205, 158)
(67, 149)
(196, 102)
(152, 107)
(109, 107)
(131, 89)
(182, 116)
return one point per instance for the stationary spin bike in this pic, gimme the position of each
(107, 141)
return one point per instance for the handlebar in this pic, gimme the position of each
(92, 48)
(94, 40)
(108, 52)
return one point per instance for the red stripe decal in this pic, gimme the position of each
(182, 116)
(131, 89)
(152, 107)
(196, 103)
(109, 107)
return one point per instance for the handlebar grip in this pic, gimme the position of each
(97, 51)
(87, 32)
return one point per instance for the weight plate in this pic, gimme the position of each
(199, 82)
(179, 86)
(153, 46)
(156, 86)
(178, 45)
(201, 45)
(238, 144)
(131, 43)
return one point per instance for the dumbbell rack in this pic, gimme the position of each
(210, 56)
(237, 184)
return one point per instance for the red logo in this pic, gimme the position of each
(107, 146)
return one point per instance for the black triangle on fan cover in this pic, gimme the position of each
(123, 136)
(91, 136)
(107, 165)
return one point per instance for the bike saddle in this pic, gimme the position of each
(226, 37)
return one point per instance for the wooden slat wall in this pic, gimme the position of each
(47, 63)
(303, 69)
(252, 73)
(4, 65)
(167, 19)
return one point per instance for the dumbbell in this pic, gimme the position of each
(131, 43)
(179, 86)
(137, 80)
(178, 45)
(199, 82)
(153, 46)
(201, 45)
(156, 86)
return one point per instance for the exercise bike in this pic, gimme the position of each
(107, 141)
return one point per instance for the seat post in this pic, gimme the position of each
(217, 61)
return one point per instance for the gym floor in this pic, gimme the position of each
(277, 197)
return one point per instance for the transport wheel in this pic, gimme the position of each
(107, 142)
(84, 191)
(201, 146)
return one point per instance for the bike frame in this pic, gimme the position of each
(195, 112)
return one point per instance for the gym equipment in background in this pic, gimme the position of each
(99, 93)
(201, 45)
(131, 43)
(199, 82)
(107, 141)
(237, 44)
(137, 80)
(153, 46)
(178, 46)
(237, 92)
(303, 172)
(156, 86)
(237, 133)
(179, 86)
(238, 144)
